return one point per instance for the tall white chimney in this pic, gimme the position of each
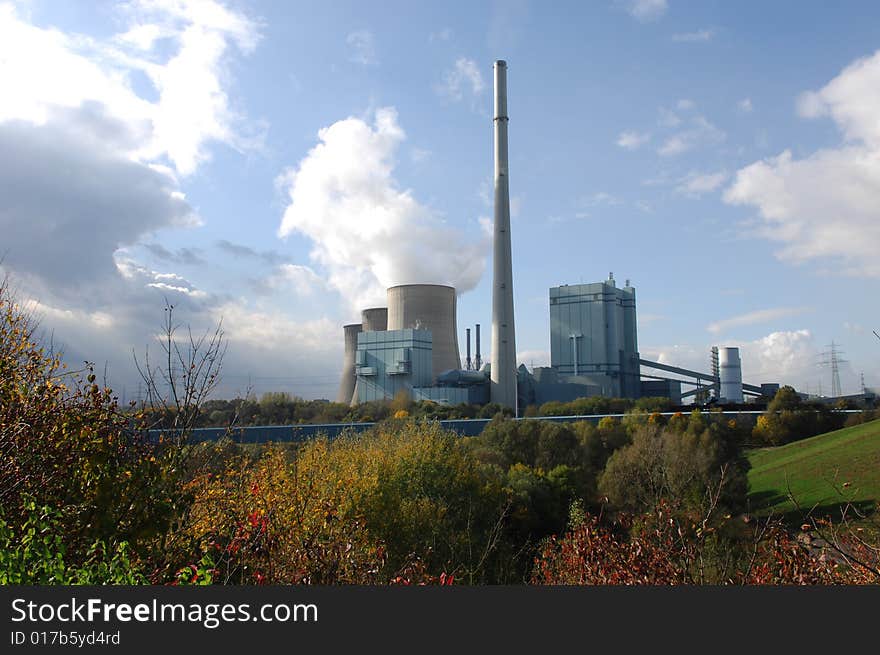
(503, 372)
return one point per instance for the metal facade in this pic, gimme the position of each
(593, 336)
(391, 361)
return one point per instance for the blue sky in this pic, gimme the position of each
(277, 165)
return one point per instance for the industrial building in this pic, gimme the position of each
(391, 361)
(593, 352)
(407, 345)
(411, 345)
(593, 336)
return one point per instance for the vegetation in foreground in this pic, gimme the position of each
(87, 497)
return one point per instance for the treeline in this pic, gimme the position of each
(280, 408)
(786, 418)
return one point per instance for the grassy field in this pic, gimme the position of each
(815, 471)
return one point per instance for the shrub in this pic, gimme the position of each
(654, 548)
(360, 509)
(64, 443)
(34, 553)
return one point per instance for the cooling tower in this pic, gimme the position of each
(503, 370)
(375, 319)
(731, 375)
(346, 385)
(428, 307)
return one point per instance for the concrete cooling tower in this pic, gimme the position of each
(428, 307)
(346, 385)
(374, 319)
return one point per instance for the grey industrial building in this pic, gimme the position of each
(593, 337)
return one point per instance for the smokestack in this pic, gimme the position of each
(468, 333)
(478, 362)
(503, 374)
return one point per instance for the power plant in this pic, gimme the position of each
(411, 345)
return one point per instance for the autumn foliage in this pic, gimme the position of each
(657, 548)
(88, 495)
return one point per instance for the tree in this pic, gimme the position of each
(183, 378)
(684, 470)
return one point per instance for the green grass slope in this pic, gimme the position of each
(815, 470)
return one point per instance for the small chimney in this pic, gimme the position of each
(478, 362)
(468, 361)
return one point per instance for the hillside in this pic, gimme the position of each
(815, 471)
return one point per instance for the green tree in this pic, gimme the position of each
(690, 471)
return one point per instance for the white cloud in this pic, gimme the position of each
(42, 70)
(699, 36)
(784, 357)
(815, 206)
(41, 312)
(90, 163)
(102, 202)
(699, 133)
(463, 76)
(533, 358)
(745, 105)
(301, 278)
(644, 10)
(632, 140)
(363, 47)
(754, 318)
(271, 332)
(367, 233)
(146, 278)
(696, 184)
(685, 104)
(851, 99)
(824, 206)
